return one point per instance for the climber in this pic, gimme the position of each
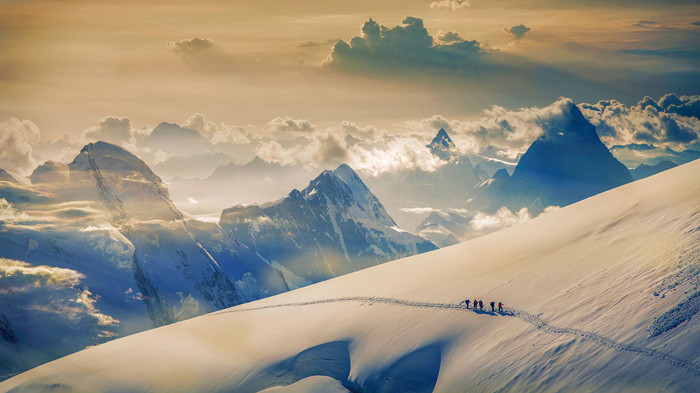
(500, 307)
(493, 306)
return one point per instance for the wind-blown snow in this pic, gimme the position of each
(583, 286)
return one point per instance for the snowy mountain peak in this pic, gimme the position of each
(123, 182)
(50, 172)
(568, 163)
(171, 129)
(112, 158)
(571, 124)
(332, 227)
(442, 146)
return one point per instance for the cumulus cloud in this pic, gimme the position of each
(400, 153)
(189, 46)
(287, 123)
(449, 37)
(323, 149)
(450, 4)
(217, 133)
(672, 120)
(501, 219)
(688, 106)
(364, 134)
(16, 139)
(383, 49)
(518, 31)
(504, 133)
(111, 129)
(55, 299)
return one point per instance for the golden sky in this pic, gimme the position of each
(67, 64)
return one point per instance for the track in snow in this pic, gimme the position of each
(531, 319)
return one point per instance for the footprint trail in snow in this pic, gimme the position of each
(531, 319)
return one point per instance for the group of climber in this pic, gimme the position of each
(480, 305)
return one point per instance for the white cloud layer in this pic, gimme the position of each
(450, 4)
(216, 133)
(52, 295)
(16, 139)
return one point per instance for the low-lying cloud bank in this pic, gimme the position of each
(500, 133)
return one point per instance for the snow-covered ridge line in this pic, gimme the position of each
(524, 316)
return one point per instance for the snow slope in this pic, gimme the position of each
(601, 295)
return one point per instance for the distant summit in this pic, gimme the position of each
(566, 164)
(332, 227)
(643, 170)
(442, 146)
(172, 138)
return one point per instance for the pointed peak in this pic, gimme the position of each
(571, 123)
(442, 138)
(442, 145)
(345, 172)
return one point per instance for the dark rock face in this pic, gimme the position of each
(566, 164)
(332, 227)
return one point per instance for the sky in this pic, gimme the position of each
(259, 67)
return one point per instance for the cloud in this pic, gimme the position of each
(16, 139)
(8, 213)
(55, 292)
(425, 210)
(449, 4)
(499, 133)
(320, 150)
(189, 46)
(688, 106)
(679, 53)
(282, 124)
(449, 37)
(56, 300)
(408, 45)
(645, 23)
(217, 133)
(399, 154)
(312, 44)
(112, 129)
(518, 31)
(365, 134)
(501, 219)
(672, 120)
(502, 132)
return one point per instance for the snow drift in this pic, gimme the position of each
(600, 296)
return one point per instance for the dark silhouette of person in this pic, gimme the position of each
(481, 305)
(476, 304)
(500, 307)
(467, 302)
(493, 306)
